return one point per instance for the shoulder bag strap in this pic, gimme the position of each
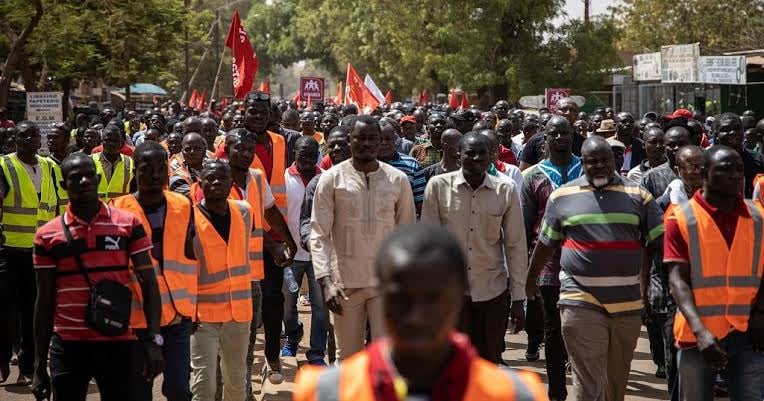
(70, 242)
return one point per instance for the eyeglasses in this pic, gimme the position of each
(261, 96)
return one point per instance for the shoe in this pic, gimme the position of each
(5, 373)
(290, 349)
(568, 367)
(14, 360)
(661, 372)
(532, 354)
(303, 300)
(275, 374)
(24, 380)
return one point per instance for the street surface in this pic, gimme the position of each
(643, 385)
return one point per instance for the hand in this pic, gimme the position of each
(517, 316)
(648, 313)
(333, 295)
(532, 290)
(154, 360)
(41, 383)
(280, 254)
(711, 350)
(291, 247)
(756, 330)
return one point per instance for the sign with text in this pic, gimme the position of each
(679, 63)
(647, 67)
(44, 109)
(553, 95)
(722, 70)
(313, 88)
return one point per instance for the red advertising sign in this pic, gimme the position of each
(312, 87)
(553, 95)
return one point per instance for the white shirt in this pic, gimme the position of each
(295, 191)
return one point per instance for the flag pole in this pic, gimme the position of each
(217, 76)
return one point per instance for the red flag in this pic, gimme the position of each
(357, 90)
(424, 97)
(296, 98)
(340, 94)
(202, 103)
(245, 62)
(389, 97)
(194, 99)
(223, 103)
(465, 103)
(309, 105)
(265, 86)
(453, 102)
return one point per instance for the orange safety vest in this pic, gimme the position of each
(350, 382)
(255, 200)
(177, 278)
(724, 280)
(225, 292)
(758, 183)
(277, 181)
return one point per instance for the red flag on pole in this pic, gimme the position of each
(453, 102)
(202, 102)
(309, 105)
(465, 103)
(296, 98)
(265, 86)
(194, 99)
(389, 97)
(424, 97)
(245, 62)
(357, 90)
(340, 94)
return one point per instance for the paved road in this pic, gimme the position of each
(643, 385)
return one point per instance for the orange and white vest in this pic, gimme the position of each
(724, 280)
(254, 188)
(277, 173)
(225, 274)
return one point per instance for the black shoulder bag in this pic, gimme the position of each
(108, 310)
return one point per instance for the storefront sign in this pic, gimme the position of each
(723, 70)
(647, 67)
(44, 109)
(679, 63)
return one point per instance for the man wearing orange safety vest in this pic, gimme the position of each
(270, 151)
(758, 188)
(166, 217)
(422, 357)
(713, 247)
(250, 185)
(223, 229)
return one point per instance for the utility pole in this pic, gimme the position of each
(587, 4)
(185, 53)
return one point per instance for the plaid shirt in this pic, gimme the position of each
(425, 154)
(413, 171)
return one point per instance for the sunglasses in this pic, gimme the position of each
(261, 96)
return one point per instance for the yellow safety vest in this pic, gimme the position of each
(23, 211)
(120, 177)
(63, 197)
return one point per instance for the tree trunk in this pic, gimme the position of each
(14, 55)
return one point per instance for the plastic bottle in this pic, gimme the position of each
(290, 281)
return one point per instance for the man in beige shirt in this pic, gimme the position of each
(356, 205)
(484, 213)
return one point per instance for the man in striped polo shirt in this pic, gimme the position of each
(602, 222)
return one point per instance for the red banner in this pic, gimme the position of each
(245, 62)
(357, 90)
(554, 95)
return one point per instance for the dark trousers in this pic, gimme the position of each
(17, 296)
(273, 307)
(485, 323)
(113, 365)
(655, 335)
(543, 324)
(177, 364)
(672, 372)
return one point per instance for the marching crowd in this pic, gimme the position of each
(162, 243)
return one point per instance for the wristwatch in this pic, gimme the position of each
(158, 340)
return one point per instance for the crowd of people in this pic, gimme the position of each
(162, 243)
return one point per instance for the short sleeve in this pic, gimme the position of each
(551, 233)
(268, 199)
(674, 245)
(138, 240)
(42, 258)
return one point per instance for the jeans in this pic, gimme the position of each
(273, 307)
(177, 363)
(18, 290)
(745, 371)
(319, 319)
(113, 365)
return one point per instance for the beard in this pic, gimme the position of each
(600, 182)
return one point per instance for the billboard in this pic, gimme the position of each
(679, 63)
(647, 67)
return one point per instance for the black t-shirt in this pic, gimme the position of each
(222, 223)
(533, 152)
(753, 163)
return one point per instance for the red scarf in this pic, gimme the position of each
(449, 386)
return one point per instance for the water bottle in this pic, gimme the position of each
(290, 281)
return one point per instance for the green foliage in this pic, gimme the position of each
(717, 25)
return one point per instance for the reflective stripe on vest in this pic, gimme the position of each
(177, 280)
(724, 279)
(329, 384)
(255, 200)
(224, 291)
(23, 211)
(63, 197)
(122, 174)
(277, 182)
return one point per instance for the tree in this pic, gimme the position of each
(18, 46)
(718, 25)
